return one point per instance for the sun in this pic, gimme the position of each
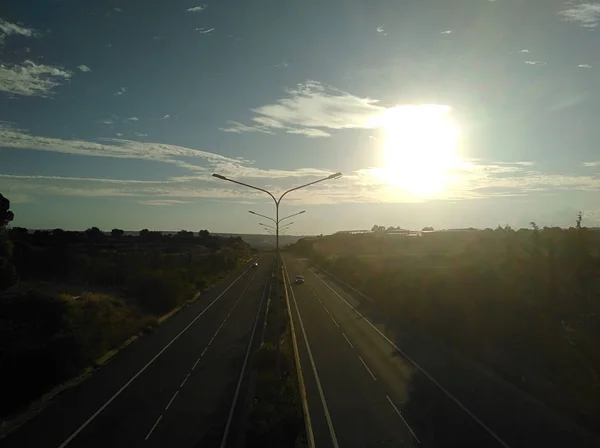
(420, 149)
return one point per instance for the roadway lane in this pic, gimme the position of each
(444, 402)
(186, 372)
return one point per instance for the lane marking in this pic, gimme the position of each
(196, 363)
(417, 366)
(171, 400)
(148, 364)
(216, 332)
(367, 367)
(203, 352)
(326, 310)
(314, 369)
(210, 342)
(184, 380)
(239, 383)
(155, 425)
(336, 324)
(347, 340)
(403, 419)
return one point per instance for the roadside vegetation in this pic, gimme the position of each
(67, 298)
(525, 303)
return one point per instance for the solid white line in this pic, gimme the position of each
(155, 425)
(336, 324)
(132, 379)
(409, 359)
(203, 352)
(347, 340)
(315, 373)
(210, 342)
(239, 383)
(216, 332)
(196, 363)
(171, 400)
(403, 419)
(184, 380)
(367, 367)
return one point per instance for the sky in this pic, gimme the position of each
(438, 113)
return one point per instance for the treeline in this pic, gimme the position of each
(524, 302)
(67, 298)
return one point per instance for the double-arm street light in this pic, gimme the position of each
(277, 202)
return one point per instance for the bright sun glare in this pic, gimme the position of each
(420, 149)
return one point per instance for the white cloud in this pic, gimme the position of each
(446, 32)
(535, 63)
(584, 66)
(238, 128)
(166, 117)
(524, 51)
(8, 29)
(84, 68)
(118, 134)
(204, 30)
(309, 132)
(586, 14)
(196, 8)
(163, 202)
(381, 30)
(121, 91)
(592, 164)
(132, 119)
(31, 79)
(139, 134)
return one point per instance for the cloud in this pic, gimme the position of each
(117, 10)
(31, 79)
(204, 30)
(381, 30)
(586, 14)
(535, 63)
(139, 134)
(309, 132)
(84, 68)
(196, 8)
(121, 91)
(524, 51)
(8, 29)
(132, 119)
(118, 134)
(446, 32)
(584, 66)
(594, 164)
(238, 128)
(166, 117)
(163, 202)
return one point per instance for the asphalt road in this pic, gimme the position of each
(174, 387)
(371, 385)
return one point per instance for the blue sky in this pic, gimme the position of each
(116, 113)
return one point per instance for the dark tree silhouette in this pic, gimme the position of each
(6, 215)
(117, 233)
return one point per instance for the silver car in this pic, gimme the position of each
(299, 279)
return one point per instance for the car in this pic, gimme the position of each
(255, 265)
(299, 279)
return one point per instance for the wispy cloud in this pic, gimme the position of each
(139, 134)
(84, 68)
(31, 79)
(524, 51)
(166, 117)
(446, 32)
(199, 8)
(163, 202)
(586, 14)
(204, 30)
(238, 128)
(121, 91)
(584, 66)
(535, 63)
(8, 29)
(309, 132)
(594, 164)
(132, 119)
(381, 30)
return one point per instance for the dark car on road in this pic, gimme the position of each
(299, 279)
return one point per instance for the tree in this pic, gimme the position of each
(203, 234)
(93, 232)
(427, 229)
(144, 232)
(117, 233)
(6, 215)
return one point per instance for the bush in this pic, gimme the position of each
(159, 291)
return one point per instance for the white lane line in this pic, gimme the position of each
(314, 369)
(403, 419)
(347, 340)
(171, 400)
(326, 310)
(203, 352)
(216, 333)
(418, 367)
(210, 342)
(196, 363)
(132, 379)
(367, 367)
(336, 324)
(239, 383)
(154, 427)
(184, 380)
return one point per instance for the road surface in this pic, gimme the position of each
(174, 387)
(369, 386)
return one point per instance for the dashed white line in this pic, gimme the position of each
(326, 309)
(418, 367)
(210, 342)
(196, 363)
(402, 417)
(132, 379)
(154, 427)
(171, 400)
(336, 324)
(367, 367)
(203, 352)
(347, 340)
(184, 380)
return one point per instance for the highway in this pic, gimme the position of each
(369, 384)
(174, 387)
